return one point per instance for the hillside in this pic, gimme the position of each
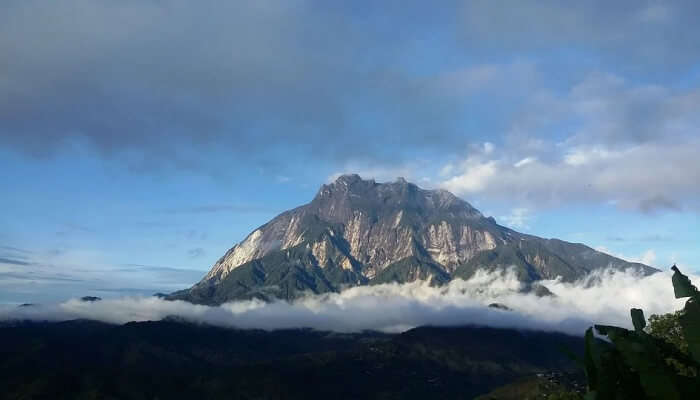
(174, 360)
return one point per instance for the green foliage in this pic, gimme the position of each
(667, 327)
(638, 319)
(410, 269)
(655, 362)
(533, 388)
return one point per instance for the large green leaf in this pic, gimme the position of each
(690, 322)
(639, 352)
(638, 319)
(589, 361)
(682, 287)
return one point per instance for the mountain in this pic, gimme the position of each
(359, 232)
(174, 360)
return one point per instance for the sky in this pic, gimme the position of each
(139, 140)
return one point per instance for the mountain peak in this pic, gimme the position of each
(348, 179)
(357, 231)
(350, 193)
(343, 186)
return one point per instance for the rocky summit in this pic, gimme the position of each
(359, 232)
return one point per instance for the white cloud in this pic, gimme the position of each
(581, 156)
(446, 170)
(644, 176)
(394, 307)
(525, 161)
(648, 257)
(634, 145)
(475, 176)
(655, 13)
(518, 218)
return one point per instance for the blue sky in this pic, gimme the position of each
(139, 140)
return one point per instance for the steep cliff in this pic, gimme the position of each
(357, 232)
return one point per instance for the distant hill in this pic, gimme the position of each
(174, 360)
(360, 232)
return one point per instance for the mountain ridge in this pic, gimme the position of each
(358, 232)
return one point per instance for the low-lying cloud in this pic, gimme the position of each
(603, 297)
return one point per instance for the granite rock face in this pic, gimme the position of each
(357, 232)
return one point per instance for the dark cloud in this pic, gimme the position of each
(163, 276)
(157, 268)
(165, 83)
(15, 249)
(55, 252)
(4, 260)
(655, 238)
(221, 208)
(384, 86)
(196, 252)
(191, 234)
(126, 291)
(15, 256)
(32, 277)
(161, 82)
(658, 203)
(637, 36)
(643, 238)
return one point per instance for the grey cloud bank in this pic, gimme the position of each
(644, 177)
(152, 80)
(157, 82)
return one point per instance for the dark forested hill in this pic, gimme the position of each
(175, 360)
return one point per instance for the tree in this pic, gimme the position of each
(667, 327)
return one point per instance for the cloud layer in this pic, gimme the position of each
(605, 297)
(643, 177)
(158, 83)
(50, 276)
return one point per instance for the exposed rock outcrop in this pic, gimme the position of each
(357, 231)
